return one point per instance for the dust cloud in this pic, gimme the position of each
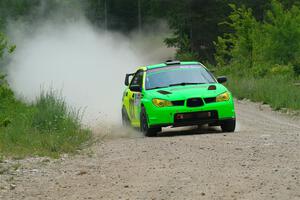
(86, 64)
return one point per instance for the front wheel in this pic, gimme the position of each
(149, 132)
(228, 125)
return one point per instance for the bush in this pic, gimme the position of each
(45, 128)
(296, 69)
(52, 114)
(5, 47)
(261, 47)
(278, 91)
(281, 70)
(186, 56)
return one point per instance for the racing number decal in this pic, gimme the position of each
(137, 99)
(134, 104)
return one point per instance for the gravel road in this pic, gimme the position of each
(260, 161)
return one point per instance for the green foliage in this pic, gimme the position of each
(183, 46)
(182, 43)
(296, 68)
(238, 46)
(45, 128)
(186, 56)
(277, 91)
(222, 55)
(5, 47)
(282, 34)
(261, 57)
(52, 114)
(15, 9)
(198, 19)
(281, 70)
(261, 48)
(194, 26)
(179, 20)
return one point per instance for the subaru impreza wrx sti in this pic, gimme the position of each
(176, 94)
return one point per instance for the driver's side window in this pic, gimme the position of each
(138, 79)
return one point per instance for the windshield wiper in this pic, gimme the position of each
(157, 87)
(184, 83)
(177, 84)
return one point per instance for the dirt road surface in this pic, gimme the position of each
(260, 161)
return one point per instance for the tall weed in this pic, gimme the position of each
(277, 91)
(46, 128)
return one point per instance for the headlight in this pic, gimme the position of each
(223, 97)
(161, 103)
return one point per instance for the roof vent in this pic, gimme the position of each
(212, 87)
(172, 62)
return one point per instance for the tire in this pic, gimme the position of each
(148, 132)
(228, 125)
(125, 118)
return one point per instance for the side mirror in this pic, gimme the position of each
(222, 79)
(135, 88)
(127, 79)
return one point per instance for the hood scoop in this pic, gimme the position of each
(212, 87)
(164, 92)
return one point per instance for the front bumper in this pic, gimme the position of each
(163, 117)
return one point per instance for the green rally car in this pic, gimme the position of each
(176, 94)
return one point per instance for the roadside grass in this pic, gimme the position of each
(45, 128)
(277, 91)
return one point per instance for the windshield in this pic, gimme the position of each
(177, 75)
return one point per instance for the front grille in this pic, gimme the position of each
(178, 103)
(195, 117)
(210, 100)
(194, 102)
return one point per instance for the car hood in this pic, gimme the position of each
(188, 91)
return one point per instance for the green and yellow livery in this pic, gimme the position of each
(176, 94)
